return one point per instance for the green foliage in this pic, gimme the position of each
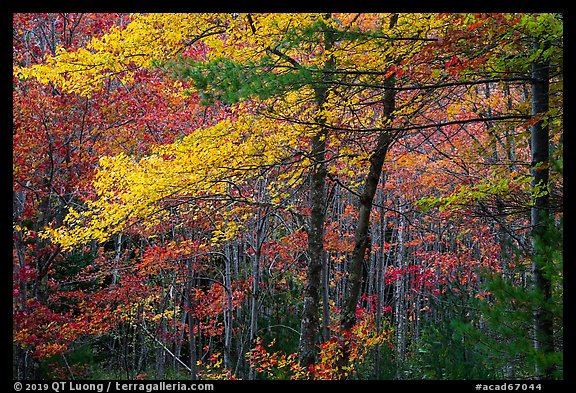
(505, 334)
(468, 194)
(283, 334)
(540, 189)
(76, 364)
(442, 350)
(366, 370)
(387, 365)
(281, 326)
(546, 27)
(73, 264)
(227, 81)
(444, 353)
(546, 30)
(492, 337)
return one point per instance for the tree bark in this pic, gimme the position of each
(540, 211)
(325, 298)
(401, 306)
(361, 235)
(228, 308)
(255, 275)
(380, 277)
(310, 324)
(191, 335)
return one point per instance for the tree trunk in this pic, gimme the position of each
(310, 324)
(380, 277)
(228, 308)
(255, 269)
(191, 336)
(325, 298)
(361, 235)
(401, 309)
(255, 266)
(540, 211)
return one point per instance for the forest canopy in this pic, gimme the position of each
(288, 196)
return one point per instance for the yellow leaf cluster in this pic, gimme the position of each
(147, 38)
(210, 162)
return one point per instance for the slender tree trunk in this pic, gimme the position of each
(255, 275)
(191, 336)
(380, 276)
(325, 298)
(238, 253)
(160, 355)
(543, 321)
(400, 309)
(227, 308)
(26, 365)
(179, 341)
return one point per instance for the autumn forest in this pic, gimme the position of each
(279, 196)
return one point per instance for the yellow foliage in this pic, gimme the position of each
(147, 38)
(212, 162)
(207, 163)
